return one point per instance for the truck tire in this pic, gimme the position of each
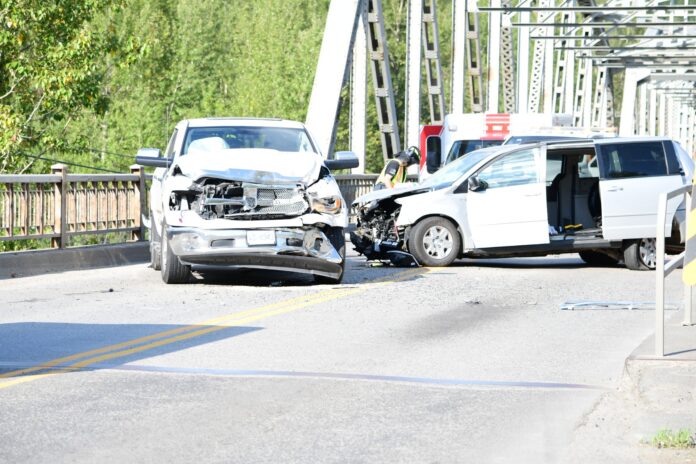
(155, 248)
(641, 254)
(173, 272)
(434, 241)
(337, 237)
(596, 258)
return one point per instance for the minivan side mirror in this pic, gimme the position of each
(342, 160)
(476, 185)
(151, 157)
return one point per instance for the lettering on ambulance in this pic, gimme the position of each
(497, 126)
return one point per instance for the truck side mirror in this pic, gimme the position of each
(151, 157)
(342, 160)
(433, 157)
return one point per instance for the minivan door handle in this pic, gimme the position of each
(615, 189)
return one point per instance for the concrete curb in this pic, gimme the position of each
(29, 263)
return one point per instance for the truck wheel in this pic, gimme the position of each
(173, 272)
(434, 241)
(155, 248)
(641, 255)
(337, 237)
(596, 258)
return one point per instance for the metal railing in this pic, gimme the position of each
(354, 185)
(60, 205)
(664, 268)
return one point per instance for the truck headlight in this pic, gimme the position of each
(330, 205)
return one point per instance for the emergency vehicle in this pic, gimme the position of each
(463, 133)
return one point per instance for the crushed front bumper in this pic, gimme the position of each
(304, 250)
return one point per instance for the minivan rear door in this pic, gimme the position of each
(632, 176)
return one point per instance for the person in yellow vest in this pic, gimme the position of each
(396, 169)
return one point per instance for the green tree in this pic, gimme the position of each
(50, 55)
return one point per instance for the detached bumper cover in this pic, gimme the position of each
(305, 250)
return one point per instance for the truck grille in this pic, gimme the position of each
(261, 200)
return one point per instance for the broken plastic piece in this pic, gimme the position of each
(402, 259)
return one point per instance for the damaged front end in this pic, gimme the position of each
(289, 226)
(222, 199)
(377, 234)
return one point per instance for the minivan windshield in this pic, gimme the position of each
(456, 169)
(209, 139)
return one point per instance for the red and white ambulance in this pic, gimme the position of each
(463, 133)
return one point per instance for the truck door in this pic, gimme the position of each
(632, 175)
(510, 207)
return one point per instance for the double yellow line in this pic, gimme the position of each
(88, 358)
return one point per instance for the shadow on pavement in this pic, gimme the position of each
(357, 271)
(522, 263)
(30, 344)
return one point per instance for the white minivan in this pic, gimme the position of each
(532, 200)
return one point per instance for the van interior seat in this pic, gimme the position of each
(569, 197)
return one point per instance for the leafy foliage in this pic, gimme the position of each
(49, 69)
(102, 78)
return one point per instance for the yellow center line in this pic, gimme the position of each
(137, 341)
(196, 330)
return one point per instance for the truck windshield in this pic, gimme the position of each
(462, 147)
(453, 171)
(209, 139)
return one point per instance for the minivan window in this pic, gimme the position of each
(637, 159)
(518, 168)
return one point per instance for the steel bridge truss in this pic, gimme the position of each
(579, 49)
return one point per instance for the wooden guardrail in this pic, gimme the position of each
(60, 205)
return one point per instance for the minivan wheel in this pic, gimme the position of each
(596, 258)
(173, 272)
(641, 255)
(337, 237)
(434, 241)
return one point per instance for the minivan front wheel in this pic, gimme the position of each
(641, 255)
(434, 241)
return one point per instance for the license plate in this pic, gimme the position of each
(261, 237)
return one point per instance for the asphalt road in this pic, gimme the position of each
(471, 363)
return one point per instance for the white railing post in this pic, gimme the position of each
(660, 277)
(688, 305)
(688, 289)
(663, 269)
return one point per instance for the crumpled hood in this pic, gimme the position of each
(254, 165)
(410, 188)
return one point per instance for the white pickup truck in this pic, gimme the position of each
(253, 193)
